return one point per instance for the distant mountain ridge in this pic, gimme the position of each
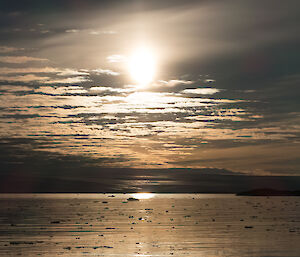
(269, 192)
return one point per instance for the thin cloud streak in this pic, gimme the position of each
(61, 72)
(116, 58)
(201, 91)
(106, 72)
(9, 49)
(173, 82)
(20, 59)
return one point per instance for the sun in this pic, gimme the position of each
(141, 66)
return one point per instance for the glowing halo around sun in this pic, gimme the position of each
(141, 65)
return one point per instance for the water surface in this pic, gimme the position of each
(162, 225)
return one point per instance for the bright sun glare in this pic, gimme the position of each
(142, 66)
(143, 195)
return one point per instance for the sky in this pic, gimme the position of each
(221, 94)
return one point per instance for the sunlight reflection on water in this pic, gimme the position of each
(164, 225)
(143, 195)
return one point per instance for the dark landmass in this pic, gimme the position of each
(269, 192)
(24, 171)
(20, 179)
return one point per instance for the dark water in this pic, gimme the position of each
(162, 225)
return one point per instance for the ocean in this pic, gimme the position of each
(154, 225)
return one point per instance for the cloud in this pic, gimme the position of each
(173, 82)
(72, 30)
(43, 79)
(60, 72)
(108, 32)
(106, 72)
(111, 89)
(51, 74)
(6, 70)
(100, 89)
(45, 31)
(7, 49)
(72, 72)
(92, 32)
(116, 58)
(77, 79)
(201, 91)
(20, 59)
(24, 78)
